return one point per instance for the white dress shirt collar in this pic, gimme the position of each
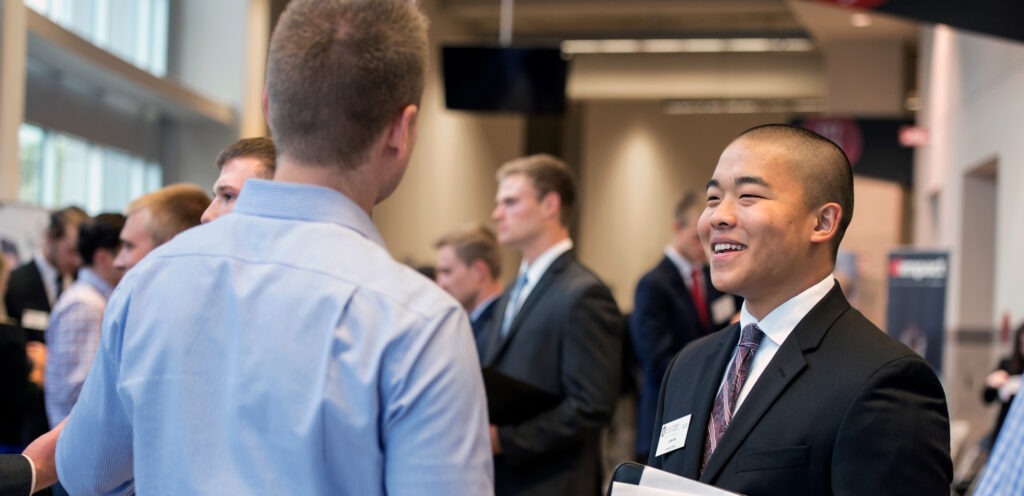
(539, 266)
(684, 266)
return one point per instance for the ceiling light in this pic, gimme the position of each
(688, 45)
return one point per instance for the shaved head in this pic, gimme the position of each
(825, 172)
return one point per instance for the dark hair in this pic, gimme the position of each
(63, 219)
(1016, 364)
(338, 73)
(260, 148)
(548, 174)
(827, 174)
(474, 242)
(102, 231)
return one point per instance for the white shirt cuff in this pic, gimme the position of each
(32, 488)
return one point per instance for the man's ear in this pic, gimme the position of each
(402, 131)
(479, 269)
(827, 226)
(551, 204)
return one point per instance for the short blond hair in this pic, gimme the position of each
(474, 242)
(172, 209)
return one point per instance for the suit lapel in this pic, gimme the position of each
(705, 389)
(784, 367)
(498, 344)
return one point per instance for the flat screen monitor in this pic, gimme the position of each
(530, 80)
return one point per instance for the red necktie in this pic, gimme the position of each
(725, 402)
(697, 291)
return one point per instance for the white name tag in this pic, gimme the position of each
(35, 319)
(673, 435)
(723, 309)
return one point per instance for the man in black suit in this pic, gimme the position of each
(35, 285)
(810, 397)
(559, 330)
(674, 304)
(468, 267)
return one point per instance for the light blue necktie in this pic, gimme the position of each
(513, 304)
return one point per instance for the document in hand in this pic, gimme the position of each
(511, 401)
(634, 479)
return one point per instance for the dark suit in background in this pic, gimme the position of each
(841, 408)
(15, 475)
(25, 290)
(565, 339)
(664, 320)
(483, 327)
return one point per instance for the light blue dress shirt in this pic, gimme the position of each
(280, 350)
(1004, 473)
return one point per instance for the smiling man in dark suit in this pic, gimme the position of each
(810, 398)
(559, 330)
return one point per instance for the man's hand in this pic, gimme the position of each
(42, 452)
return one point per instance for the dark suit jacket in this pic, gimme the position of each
(15, 476)
(841, 408)
(25, 290)
(483, 326)
(13, 380)
(664, 320)
(565, 340)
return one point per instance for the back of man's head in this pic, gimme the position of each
(260, 148)
(474, 242)
(100, 232)
(821, 164)
(338, 72)
(172, 209)
(548, 174)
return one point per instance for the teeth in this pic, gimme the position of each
(723, 247)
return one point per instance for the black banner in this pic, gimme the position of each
(917, 302)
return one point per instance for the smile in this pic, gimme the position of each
(727, 247)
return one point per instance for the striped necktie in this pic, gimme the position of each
(725, 402)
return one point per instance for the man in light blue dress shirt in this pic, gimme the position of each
(281, 350)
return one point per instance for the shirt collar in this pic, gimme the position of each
(46, 271)
(681, 263)
(305, 202)
(779, 323)
(539, 266)
(88, 276)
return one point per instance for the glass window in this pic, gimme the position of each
(59, 170)
(134, 30)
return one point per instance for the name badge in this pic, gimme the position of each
(35, 319)
(673, 435)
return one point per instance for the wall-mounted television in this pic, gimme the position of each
(487, 78)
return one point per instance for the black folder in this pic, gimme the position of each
(511, 401)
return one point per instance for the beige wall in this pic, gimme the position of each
(636, 163)
(450, 180)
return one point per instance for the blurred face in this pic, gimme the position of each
(455, 277)
(518, 213)
(229, 184)
(687, 241)
(63, 253)
(135, 240)
(756, 227)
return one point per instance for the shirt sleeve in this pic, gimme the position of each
(434, 426)
(94, 451)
